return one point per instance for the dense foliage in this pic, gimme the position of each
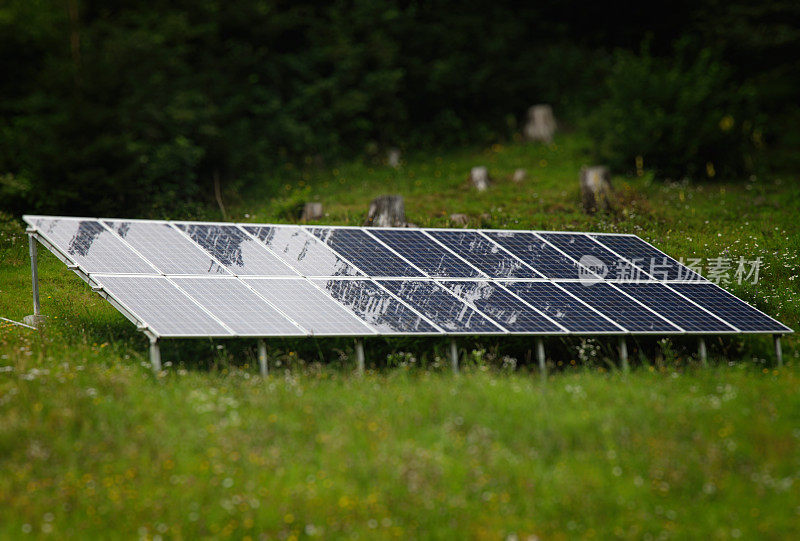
(138, 106)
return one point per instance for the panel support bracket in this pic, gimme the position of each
(541, 358)
(454, 355)
(778, 353)
(155, 355)
(360, 364)
(623, 354)
(36, 318)
(263, 364)
(702, 353)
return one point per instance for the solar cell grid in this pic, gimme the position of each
(483, 253)
(502, 306)
(537, 253)
(582, 249)
(619, 307)
(644, 256)
(736, 312)
(365, 252)
(425, 253)
(302, 251)
(311, 308)
(677, 309)
(166, 247)
(376, 306)
(93, 247)
(161, 305)
(563, 308)
(238, 251)
(238, 307)
(448, 312)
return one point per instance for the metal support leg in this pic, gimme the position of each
(540, 357)
(155, 355)
(34, 281)
(263, 365)
(360, 355)
(778, 352)
(702, 353)
(623, 354)
(454, 355)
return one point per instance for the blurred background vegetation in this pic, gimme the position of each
(134, 107)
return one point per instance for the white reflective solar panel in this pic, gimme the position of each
(311, 308)
(90, 245)
(166, 247)
(237, 306)
(161, 306)
(304, 252)
(238, 251)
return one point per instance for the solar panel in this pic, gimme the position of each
(166, 310)
(365, 252)
(166, 247)
(311, 308)
(376, 306)
(674, 307)
(503, 307)
(648, 258)
(736, 312)
(565, 309)
(445, 310)
(534, 251)
(90, 245)
(238, 251)
(425, 253)
(302, 251)
(582, 249)
(619, 307)
(237, 306)
(483, 253)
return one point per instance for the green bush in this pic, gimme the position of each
(678, 117)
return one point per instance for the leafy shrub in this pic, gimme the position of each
(679, 117)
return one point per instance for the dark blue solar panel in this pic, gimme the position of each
(502, 306)
(485, 254)
(439, 306)
(677, 309)
(536, 253)
(562, 307)
(376, 306)
(365, 252)
(651, 260)
(590, 254)
(736, 312)
(622, 309)
(238, 251)
(425, 253)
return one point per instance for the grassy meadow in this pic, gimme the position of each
(94, 445)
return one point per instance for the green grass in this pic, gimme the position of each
(93, 445)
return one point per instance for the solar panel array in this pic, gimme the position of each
(184, 279)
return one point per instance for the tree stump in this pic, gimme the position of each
(479, 178)
(596, 190)
(541, 124)
(311, 211)
(393, 157)
(459, 219)
(519, 176)
(387, 211)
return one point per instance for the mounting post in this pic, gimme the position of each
(360, 355)
(34, 279)
(623, 354)
(263, 365)
(702, 353)
(454, 355)
(778, 353)
(155, 355)
(540, 357)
